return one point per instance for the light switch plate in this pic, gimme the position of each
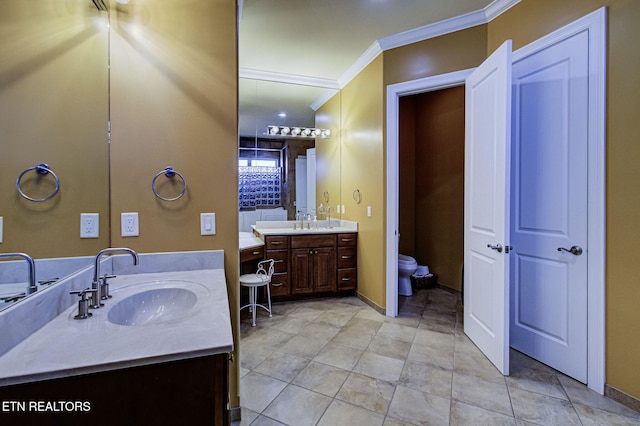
(89, 225)
(207, 223)
(129, 224)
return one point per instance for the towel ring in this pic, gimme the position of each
(357, 196)
(42, 169)
(170, 173)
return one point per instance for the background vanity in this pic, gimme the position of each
(309, 262)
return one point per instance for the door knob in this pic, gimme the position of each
(497, 247)
(575, 250)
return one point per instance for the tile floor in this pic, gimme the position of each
(339, 362)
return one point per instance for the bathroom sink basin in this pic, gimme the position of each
(155, 306)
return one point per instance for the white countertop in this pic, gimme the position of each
(320, 227)
(65, 346)
(249, 240)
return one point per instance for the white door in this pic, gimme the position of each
(549, 212)
(301, 184)
(311, 181)
(486, 218)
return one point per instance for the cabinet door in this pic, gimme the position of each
(324, 269)
(301, 268)
(347, 257)
(280, 285)
(347, 279)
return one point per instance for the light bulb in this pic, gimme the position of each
(295, 131)
(285, 130)
(273, 130)
(306, 132)
(316, 132)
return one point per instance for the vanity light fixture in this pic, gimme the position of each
(299, 132)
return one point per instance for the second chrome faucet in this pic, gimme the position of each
(96, 286)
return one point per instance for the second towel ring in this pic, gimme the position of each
(170, 173)
(357, 196)
(42, 169)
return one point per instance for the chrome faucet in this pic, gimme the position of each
(31, 288)
(96, 287)
(301, 216)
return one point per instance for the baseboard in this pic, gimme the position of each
(235, 414)
(622, 397)
(371, 303)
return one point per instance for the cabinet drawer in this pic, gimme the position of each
(276, 242)
(279, 285)
(253, 253)
(347, 257)
(347, 240)
(281, 258)
(347, 279)
(308, 241)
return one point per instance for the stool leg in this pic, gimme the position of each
(269, 297)
(254, 291)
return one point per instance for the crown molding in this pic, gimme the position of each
(323, 98)
(303, 80)
(365, 59)
(426, 32)
(457, 23)
(497, 7)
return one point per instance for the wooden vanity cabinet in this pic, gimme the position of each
(313, 264)
(193, 391)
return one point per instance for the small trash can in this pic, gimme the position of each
(424, 281)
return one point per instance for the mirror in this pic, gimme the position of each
(269, 103)
(53, 110)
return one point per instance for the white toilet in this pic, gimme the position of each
(407, 265)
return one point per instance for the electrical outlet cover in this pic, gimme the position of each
(89, 225)
(129, 224)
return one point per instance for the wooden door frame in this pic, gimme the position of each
(595, 25)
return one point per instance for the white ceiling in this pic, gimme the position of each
(326, 42)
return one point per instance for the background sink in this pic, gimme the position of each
(154, 306)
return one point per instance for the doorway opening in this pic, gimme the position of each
(431, 182)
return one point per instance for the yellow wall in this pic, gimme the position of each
(450, 52)
(174, 82)
(328, 155)
(530, 20)
(53, 110)
(362, 167)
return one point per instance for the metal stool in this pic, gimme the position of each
(261, 278)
